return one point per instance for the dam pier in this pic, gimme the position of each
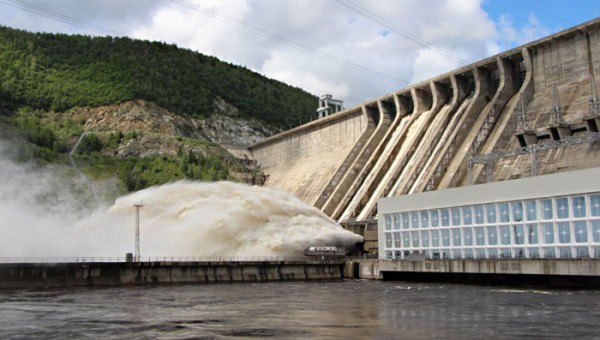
(98, 273)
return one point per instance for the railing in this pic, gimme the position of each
(494, 258)
(167, 259)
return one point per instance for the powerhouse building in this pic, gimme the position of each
(550, 216)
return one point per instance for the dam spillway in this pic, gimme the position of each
(456, 129)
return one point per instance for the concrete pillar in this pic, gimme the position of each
(422, 100)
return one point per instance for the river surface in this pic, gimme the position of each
(331, 310)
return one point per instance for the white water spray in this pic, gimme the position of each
(214, 219)
(43, 214)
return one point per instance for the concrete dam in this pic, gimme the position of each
(528, 111)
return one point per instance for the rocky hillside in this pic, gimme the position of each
(223, 127)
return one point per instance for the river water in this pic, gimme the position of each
(330, 310)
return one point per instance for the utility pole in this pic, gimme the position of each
(137, 231)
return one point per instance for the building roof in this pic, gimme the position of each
(565, 183)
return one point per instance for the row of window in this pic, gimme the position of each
(519, 234)
(530, 210)
(491, 253)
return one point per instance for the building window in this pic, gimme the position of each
(388, 222)
(456, 254)
(388, 240)
(468, 253)
(582, 252)
(406, 239)
(547, 209)
(519, 233)
(424, 219)
(504, 235)
(581, 233)
(467, 216)
(396, 221)
(532, 234)
(490, 210)
(414, 216)
(468, 232)
(479, 236)
(480, 253)
(435, 238)
(504, 212)
(505, 253)
(565, 252)
(562, 207)
(548, 229)
(493, 253)
(479, 216)
(564, 232)
(517, 211)
(435, 218)
(595, 205)
(446, 238)
(415, 238)
(456, 237)
(549, 253)
(397, 243)
(405, 221)
(455, 216)
(492, 235)
(425, 238)
(578, 206)
(596, 231)
(445, 217)
(534, 253)
(531, 210)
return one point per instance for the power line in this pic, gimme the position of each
(31, 8)
(286, 41)
(362, 11)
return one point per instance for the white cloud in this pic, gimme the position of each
(511, 36)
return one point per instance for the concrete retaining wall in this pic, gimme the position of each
(525, 267)
(46, 275)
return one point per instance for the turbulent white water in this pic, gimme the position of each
(218, 219)
(41, 216)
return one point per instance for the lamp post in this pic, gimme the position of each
(137, 231)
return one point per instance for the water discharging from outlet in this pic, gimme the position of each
(213, 219)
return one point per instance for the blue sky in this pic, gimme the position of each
(331, 46)
(554, 14)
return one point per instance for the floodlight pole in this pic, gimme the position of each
(137, 231)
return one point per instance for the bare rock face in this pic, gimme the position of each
(223, 127)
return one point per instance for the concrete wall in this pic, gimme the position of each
(44, 275)
(303, 160)
(343, 164)
(523, 267)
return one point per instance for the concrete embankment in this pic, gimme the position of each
(47, 275)
(523, 273)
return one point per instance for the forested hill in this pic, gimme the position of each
(58, 72)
